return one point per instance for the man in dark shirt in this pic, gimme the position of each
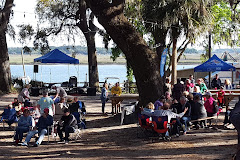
(67, 124)
(178, 90)
(216, 82)
(187, 116)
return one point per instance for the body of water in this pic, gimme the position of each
(61, 73)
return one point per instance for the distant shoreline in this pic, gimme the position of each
(188, 59)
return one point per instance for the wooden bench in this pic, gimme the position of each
(206, 118)
(203, 119)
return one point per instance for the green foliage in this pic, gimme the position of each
(129, 73)
(116, 52)
(25, 33)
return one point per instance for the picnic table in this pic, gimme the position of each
(226, 90)
(116, 100)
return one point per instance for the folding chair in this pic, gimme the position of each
(144, 121)
(161, 126)
(9, 116)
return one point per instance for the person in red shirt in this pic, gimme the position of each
(220, 95)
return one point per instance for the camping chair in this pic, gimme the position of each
(161, 126)
(9, 116)
(144, 121)
(145, 124)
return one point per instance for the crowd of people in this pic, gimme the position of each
(37, 117)
(188, 101)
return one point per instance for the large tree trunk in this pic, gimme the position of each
(89, 30)
(142, 59)
(5, 74)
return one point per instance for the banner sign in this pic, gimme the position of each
(163, 61)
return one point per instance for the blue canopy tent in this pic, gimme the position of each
(56, 56)
(214, 64)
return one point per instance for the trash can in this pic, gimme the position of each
(91, 91)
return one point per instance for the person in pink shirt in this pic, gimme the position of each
(209, 105)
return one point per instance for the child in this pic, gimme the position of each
(35, 113)
(220, 95)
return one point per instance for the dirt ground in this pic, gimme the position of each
(104, 138)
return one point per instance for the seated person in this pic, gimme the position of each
(171, 115)
(41, 128)
(9, 115)
(67, 124)
(148, 110)
(187, 116)
(159, 103)
(17, 105)
(24, 95)
(35, 113)
(75, 108)
(15, 102)
(59, 108)
(24, 123)
(198, 111)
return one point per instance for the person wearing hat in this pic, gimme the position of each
(46, 102)
(41, 128)
(67, 124)
(59, 92)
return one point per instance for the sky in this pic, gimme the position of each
(24, 14)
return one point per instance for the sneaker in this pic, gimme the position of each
(24, 144)
(66, 141)
(177, 135)
(36, 145)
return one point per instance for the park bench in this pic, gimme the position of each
(205, 119)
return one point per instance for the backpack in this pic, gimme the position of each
(215, 107)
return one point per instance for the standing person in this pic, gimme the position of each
(192, 79)
(104, 95)
(67, 124)
(24, 123)
(59, 92)
(24, 95)
(44, 122)
(216, 82)
(178, 90)
(227, 84)
(235, 119)
(202, 85)
(168, 86)
(220, 96)
(46, 102)
(116, 90)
